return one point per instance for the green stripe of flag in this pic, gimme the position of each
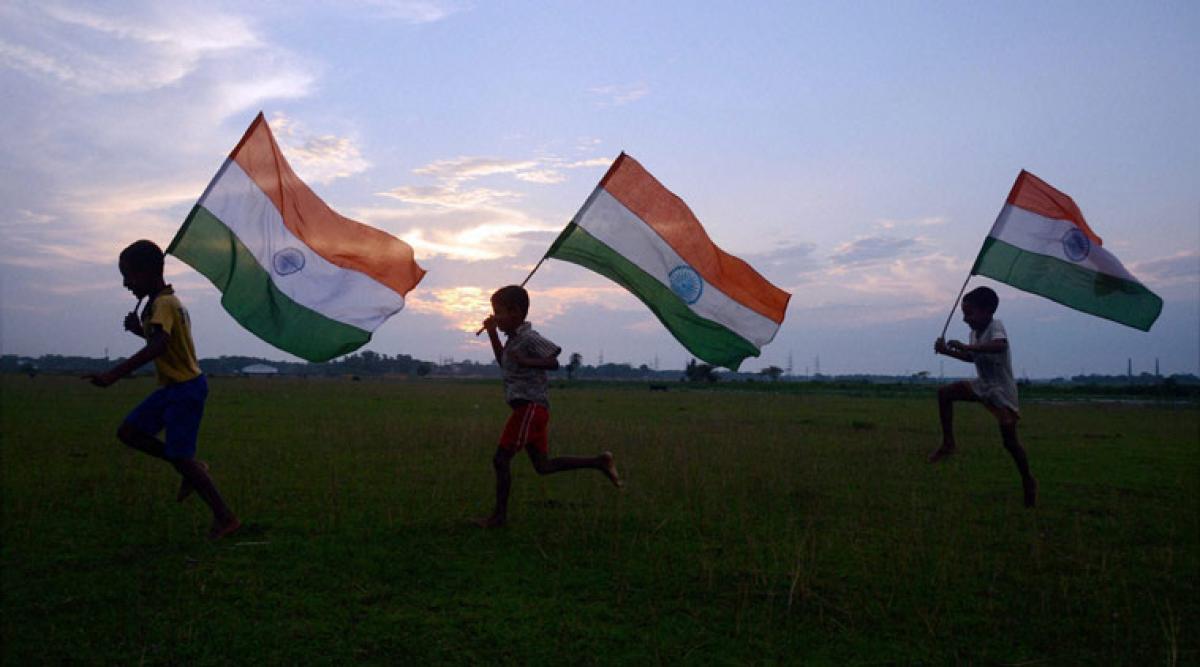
(252, 299)
(1100, 294)
(702, 337)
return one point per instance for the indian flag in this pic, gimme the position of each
(1041, 244)
(289, 268)
(637, 233)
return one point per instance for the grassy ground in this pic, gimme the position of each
(755, 527)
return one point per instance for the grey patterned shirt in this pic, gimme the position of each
(522, 383)
(995, 384)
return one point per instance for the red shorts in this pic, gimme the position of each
(528, 425)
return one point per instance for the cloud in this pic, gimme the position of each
(464, 307)
(462, 233)
(448, 196)
(218, 59)
(456, 219)
(152, 209)
(120, 110)
(788, 262)
(1180, 268)
(124, 48)
(864, 294)
(619, 95)
(416, 11)
(317, 158)
(453, 173)
(466, 168)
(593, 162)
(544, 176)
(873, 249)
(927, 221)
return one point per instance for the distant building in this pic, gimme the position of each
(259, 369)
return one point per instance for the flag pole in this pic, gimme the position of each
(955, 306)
(535, 268)
(554, 245)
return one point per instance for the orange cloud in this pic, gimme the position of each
(464, 307)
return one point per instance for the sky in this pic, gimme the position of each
(855, 153)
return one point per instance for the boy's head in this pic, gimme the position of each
(141, 265)
(510, 305)
(978, 306)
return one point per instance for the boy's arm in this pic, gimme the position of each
(154, 347)
(497, 348)
(537, 353)
(954, 348)
(990, 347)
(133, 324)
(544, 363)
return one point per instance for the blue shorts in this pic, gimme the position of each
(177, 408)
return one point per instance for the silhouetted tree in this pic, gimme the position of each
(700, 372)
(772, 372)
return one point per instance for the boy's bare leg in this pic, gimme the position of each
(185, 487)
(603, 463)
(502, 464)
(196, 474)
(144, 443)
(958, 391)
(148, 444)
(1008, 434)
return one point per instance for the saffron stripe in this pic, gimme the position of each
(665, 213)
(1033, 194)
(708, 340)
(340, 240)
(610, 222)
(341, 294)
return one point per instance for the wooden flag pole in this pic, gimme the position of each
(955, 306)
(535, 268)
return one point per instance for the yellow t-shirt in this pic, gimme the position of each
(178, 363)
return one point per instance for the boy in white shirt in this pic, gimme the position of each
(995, 387)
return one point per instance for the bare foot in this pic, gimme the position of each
(943, 452)
(610, 470)
(490, 522)
(1030, 492)
(185, 487)
(220, 529)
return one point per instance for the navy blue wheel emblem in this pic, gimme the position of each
(686, 283)
(288, 261)
(1076, 245)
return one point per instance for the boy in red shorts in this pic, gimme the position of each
(524, 360)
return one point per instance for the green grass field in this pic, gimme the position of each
(755, 527)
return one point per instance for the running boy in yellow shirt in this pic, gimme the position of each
(178, 404)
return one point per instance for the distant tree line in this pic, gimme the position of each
(370, 363)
